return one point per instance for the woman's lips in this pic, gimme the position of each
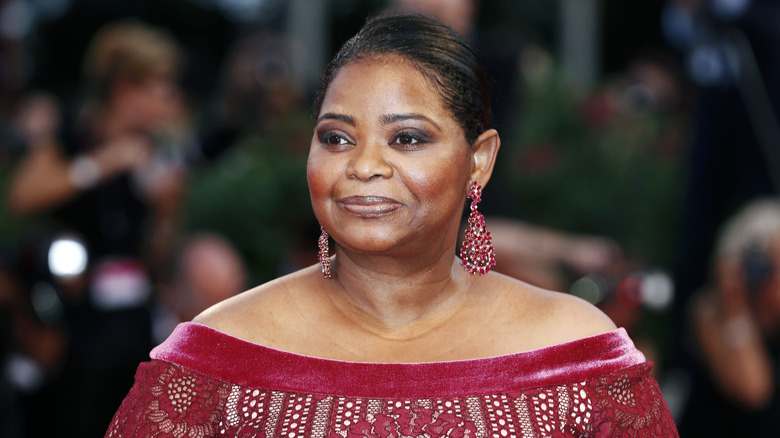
(369, 206)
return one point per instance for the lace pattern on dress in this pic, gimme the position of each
(172, 401)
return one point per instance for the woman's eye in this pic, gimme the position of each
(333, 140)
(406, 139)
(409, 139)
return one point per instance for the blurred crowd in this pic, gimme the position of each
(166, 176)
(89, 293)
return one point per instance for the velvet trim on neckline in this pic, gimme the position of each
(225, 357)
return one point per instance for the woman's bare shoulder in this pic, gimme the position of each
(551, 318)
(258, 314)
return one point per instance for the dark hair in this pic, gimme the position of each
(441, 54)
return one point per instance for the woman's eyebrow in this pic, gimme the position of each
(393, 118)
(340, 117)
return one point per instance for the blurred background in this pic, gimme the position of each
(152, 163)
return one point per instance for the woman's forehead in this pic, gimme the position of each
(390, 79)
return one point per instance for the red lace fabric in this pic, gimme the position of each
(204, 383)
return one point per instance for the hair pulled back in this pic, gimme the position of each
(441, 54)
(131, 51)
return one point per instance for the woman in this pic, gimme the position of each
(104, 177)
(390, 336)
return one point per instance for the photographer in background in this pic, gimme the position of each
(736, 322)
(109, 176)
(104, 175)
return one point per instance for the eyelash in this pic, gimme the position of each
(326, 137)
(414, 139)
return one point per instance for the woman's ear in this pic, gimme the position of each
(483, 156)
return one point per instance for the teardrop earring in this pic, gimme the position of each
(324, 253)
(476, 254)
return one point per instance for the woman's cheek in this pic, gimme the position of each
(317, 184)
(435, 191)
(435, 179)
(321, 179)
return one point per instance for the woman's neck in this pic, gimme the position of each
(395, 299)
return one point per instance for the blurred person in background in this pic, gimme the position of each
(208, 271)
(736, 326)
(547, 257)
(103, 175)
(257, 91)
(257, 87)
(729, 49)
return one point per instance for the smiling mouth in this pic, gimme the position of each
(369, 206)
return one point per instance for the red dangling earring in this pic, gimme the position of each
(324, 253)
(476, 254)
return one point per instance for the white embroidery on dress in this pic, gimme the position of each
(476, 415)
(321, 417)
(274, 410)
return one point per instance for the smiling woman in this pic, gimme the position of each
(396, 339)
(389, 168)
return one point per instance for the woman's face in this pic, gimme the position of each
(150, 103)
(388, 164)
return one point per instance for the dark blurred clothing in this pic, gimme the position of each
(712, 415)
(97, 373)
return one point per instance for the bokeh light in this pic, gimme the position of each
(67, 257)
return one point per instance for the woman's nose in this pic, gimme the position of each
(368, 161)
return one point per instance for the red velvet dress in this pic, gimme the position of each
(204, 383)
